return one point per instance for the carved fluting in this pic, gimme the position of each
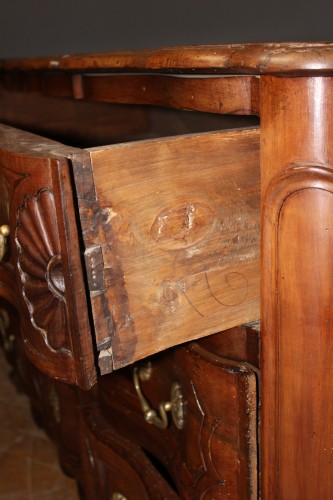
(40, 268)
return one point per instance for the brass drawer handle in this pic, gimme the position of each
(118, 496)
(4, 232)
(175, 405)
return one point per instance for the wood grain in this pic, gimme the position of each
(297, 181)
(236, 95)
(255, 58)
(172, 240)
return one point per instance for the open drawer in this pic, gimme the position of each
(171, 234)
(169, 230)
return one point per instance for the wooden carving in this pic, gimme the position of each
(40, 268)
(43, 257)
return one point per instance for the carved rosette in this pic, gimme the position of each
(40, 268)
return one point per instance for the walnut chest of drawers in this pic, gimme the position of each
(156, 208)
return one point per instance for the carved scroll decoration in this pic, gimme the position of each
(40, 268)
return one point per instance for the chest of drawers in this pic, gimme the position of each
(162, 223)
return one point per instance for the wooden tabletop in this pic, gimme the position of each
(262, 58)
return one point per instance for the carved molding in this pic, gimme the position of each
(298, 182)
(40, 268)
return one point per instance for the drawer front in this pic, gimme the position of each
(45, 257)
(171, 229)
(209, 445)
(115, 469)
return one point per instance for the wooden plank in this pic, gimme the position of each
(175, 240)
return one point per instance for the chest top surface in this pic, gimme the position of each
(253, 58)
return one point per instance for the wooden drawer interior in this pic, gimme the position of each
(87, 124)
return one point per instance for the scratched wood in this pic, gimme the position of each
(172, 245)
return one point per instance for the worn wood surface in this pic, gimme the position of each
(252, 58)
(297, 181)
(45, 256)
(172, 240)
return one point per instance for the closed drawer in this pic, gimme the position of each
(114, 468)
(214, 452)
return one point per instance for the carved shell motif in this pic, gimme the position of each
(40, 268)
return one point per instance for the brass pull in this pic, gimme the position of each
(118, 496)
(175, 405)
(4, 232)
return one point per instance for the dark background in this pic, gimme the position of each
(44, 27)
